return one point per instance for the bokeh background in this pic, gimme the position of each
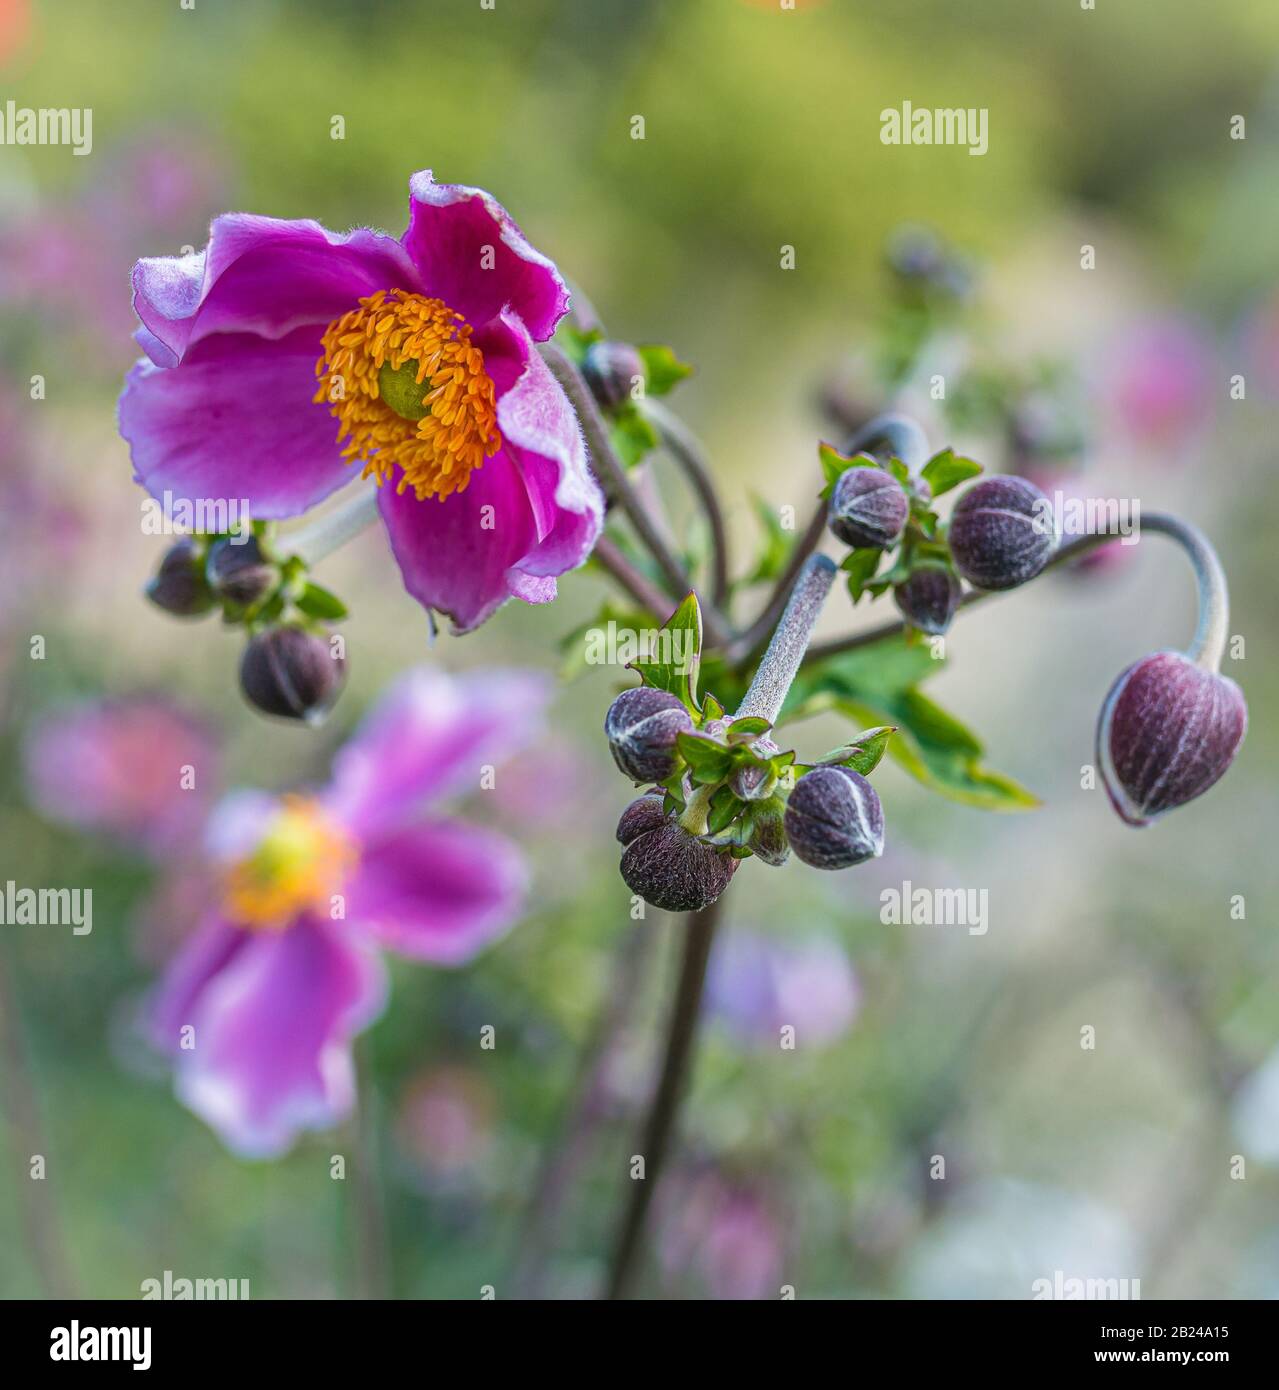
(1110, 128)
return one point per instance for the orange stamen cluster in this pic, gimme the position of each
(296, 867)
(436, 454)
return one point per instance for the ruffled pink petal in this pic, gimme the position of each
(470, 253)
(437, 892)
(264, 276)
(272, 1035)
(430, 735)
(533, 511)
(235, 423)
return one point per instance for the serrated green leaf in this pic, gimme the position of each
(835, 465)
(711, 708)
(673, 666)
(724, 809)
(662, 369)
(863, 753)
(860, 566)
(947, 470)
(899, 471)
(708, 760)
(748, 728)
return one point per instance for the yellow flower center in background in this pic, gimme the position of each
(297, 866)
(410, 391)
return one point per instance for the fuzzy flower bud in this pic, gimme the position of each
(754, 782)
(1168, 730)
(642, 726)
(237, 570)
(179, 585)
(1000, 533)
(667, 866)
(292, 672)
(768, 835)
(868, 507)
(834, 819)
(610, 370)
(928, 598)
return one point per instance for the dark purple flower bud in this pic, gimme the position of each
(237, 570)
(642, 726)
(610, 370)
(291, 672)
(768, 836)
(752, 782)
(834, 819)
(1001, 533)
(868, 507)
(643, 814)
(1168, 730)
(928, 598)
(670, 868)
(179, 585)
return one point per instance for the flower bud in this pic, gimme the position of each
(178, 585)
(610, 370)
(292, 672)
(237, 570)
(834, 819)
(1001, 533)
(768, 836)
(1168, 730)
(667, 866)
(928, 598)
(753, 782)
(868, 507)
(643, 814)
(642, 725)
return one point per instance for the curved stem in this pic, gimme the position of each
(684, 448)
(1208, 644)
(321, 537)
(660, 1123)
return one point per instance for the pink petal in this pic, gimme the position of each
(272, 1034)
(235, 423)
(429, 735)
(454, 232)
(438, 892)
(264, 276)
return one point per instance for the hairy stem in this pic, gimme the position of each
(785, 652)
(660, 1122)
(320, 538)
(684, 448)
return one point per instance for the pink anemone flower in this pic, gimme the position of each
(260, 1007)
(285, 359)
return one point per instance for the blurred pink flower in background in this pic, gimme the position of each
(725, 1231)
(1160, 379)
(1260, 335)
(139, 768)
(1081, 488)
(758, 985)
(286, 967)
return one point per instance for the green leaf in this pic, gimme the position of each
(708, 760)
(863, 753)
(835, 465)
(947, 470)
(724, 809)
(876, 685)
(860, 566)
(748, 728)
(673, 666)
(662, 369)
(776, 547)
(711, 708)
(318, 602)
(899, 471)
(632, 435)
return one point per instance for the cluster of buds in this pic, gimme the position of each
(1000, 533)
(292, 666)
(726, 792)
